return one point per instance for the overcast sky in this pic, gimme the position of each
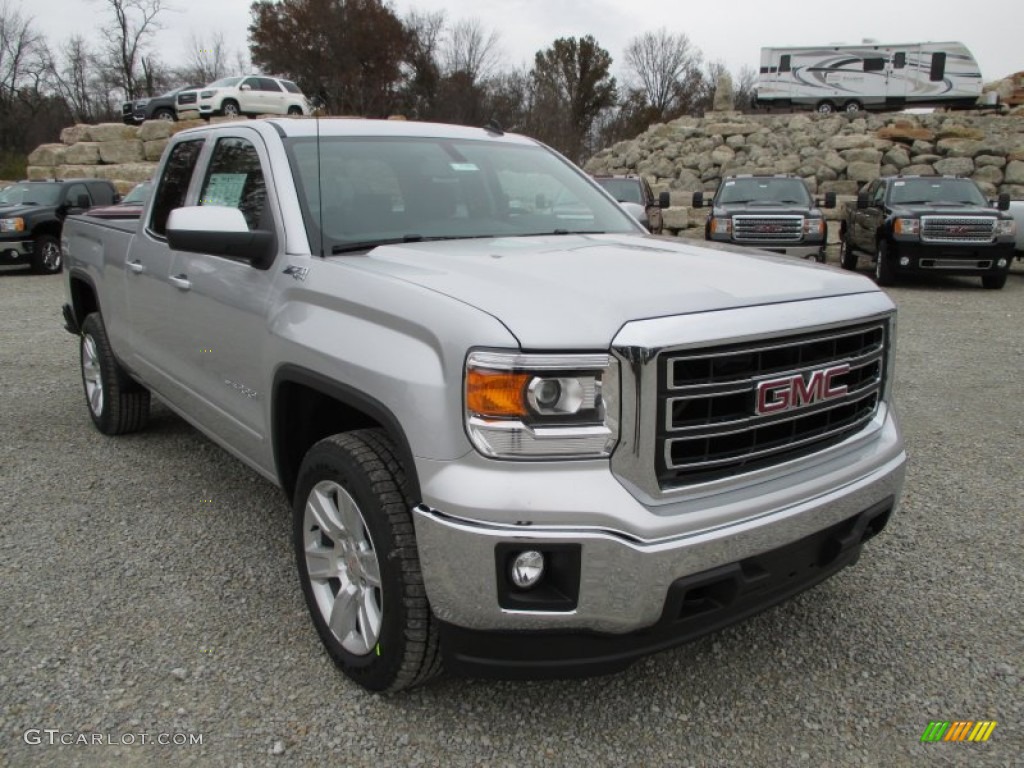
(732, 31)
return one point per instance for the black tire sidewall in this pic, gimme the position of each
(330, 461)
(93, 328)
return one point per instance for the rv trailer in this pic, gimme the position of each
(868, 76)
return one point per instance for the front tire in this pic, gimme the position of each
(825, 108)
(847, 256)
(852, 107)
(46, 256)
(993, 282)
(885, 273)
(358, 564)
(116, 403)
(295, 111)
(230, 108)
(164, 114)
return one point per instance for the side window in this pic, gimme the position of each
(235, 179)
(76, 191)
(266, 84)
(875, 64)
(879, 197)
(173, 185)
(938, 72)
(784, 63)
(252, 82)
(101, 193)
(899, 60)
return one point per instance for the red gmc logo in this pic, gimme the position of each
(779, 395)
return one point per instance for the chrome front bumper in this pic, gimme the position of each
(625, 576)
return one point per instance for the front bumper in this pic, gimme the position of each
(15, 251)
(694, 606)
(630, 553)
(923, 258)
(804, 250)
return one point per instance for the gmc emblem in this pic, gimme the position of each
(780, 395)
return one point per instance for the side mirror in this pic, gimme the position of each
(638, 212)
(245, 87)
(698, 199)
(664, 200)
(862, 201)
(830, 200)
(220, 231)
(1003, 202)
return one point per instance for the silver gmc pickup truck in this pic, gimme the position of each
(520, 436)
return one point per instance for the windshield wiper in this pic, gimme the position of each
(365, 245)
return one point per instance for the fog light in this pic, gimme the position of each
(904, 261)
(1001, 263)
(527, 569)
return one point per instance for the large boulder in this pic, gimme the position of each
(151, 130)
(1014, 172)
(133, 172)
(40, 172)
(918, 169)
(955, 166)
(861, 155)
(725, 130)
(861, 171)
(724, 99)
(994, 161)
(842, 187)
(113, 132)
(153, 150)
(849, 141)
(897, 157)
(47, 154)
(988, 173)
(676, 217)
(905, 133)
(958, 147)
(83, 153)
(119, 152)
(75, 133)
(949, 131)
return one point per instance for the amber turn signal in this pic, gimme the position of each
(496, 393)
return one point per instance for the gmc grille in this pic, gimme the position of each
(708, 424)
(957, 229)
(186, 98)
(770, 229)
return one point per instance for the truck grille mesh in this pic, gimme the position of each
(767, 229)
(708, 421)
(957, 229)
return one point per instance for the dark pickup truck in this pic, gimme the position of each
(929, 224)
(771, 212)
(32, 216)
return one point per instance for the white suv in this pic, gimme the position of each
(253, 95)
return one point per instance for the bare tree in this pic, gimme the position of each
(23, 67)
(422, 71)
(135, 21)
(744, 88)
(207, 59)
(470, 50)
(661, 65)
(74, 78)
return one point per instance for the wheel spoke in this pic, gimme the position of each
(321, 563)
(369, 618)
(321, 511)
(96, 400)
(370, 568)
(348, 514)
(344, 613)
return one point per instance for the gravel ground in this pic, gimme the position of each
(148, 587)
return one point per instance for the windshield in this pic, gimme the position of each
(37, 193)
(623, 190)
(378, 190)
(764, 190)
(964, 191)
(139, 194)
(225, 82)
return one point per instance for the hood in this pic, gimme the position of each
(10, 211)
(945, 209)
(775, 209)
(577, 291)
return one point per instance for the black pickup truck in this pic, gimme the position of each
(32, 215)
(771, 212)
(929, 224)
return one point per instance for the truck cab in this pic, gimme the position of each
(772, 212)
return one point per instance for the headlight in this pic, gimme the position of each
(12, 225)
(1006, 227)
(906, 226)
(721, 225)
(520, 406)
(814, 226)
(206, 94)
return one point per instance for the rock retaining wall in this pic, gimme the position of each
(833, 153)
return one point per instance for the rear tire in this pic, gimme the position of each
(164, 114)
(294, 110)
(355, 547)
(993, 282)
(47, 258)
(117, 404)
(885, 274)
(852, 107)
(825, 108)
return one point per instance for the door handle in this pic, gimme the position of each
(181, 281)
(136, 266)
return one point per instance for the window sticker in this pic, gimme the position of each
(729, 183)
(899, 184)
(224, 189)
(464, 167)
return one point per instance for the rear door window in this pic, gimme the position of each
(266, 84)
